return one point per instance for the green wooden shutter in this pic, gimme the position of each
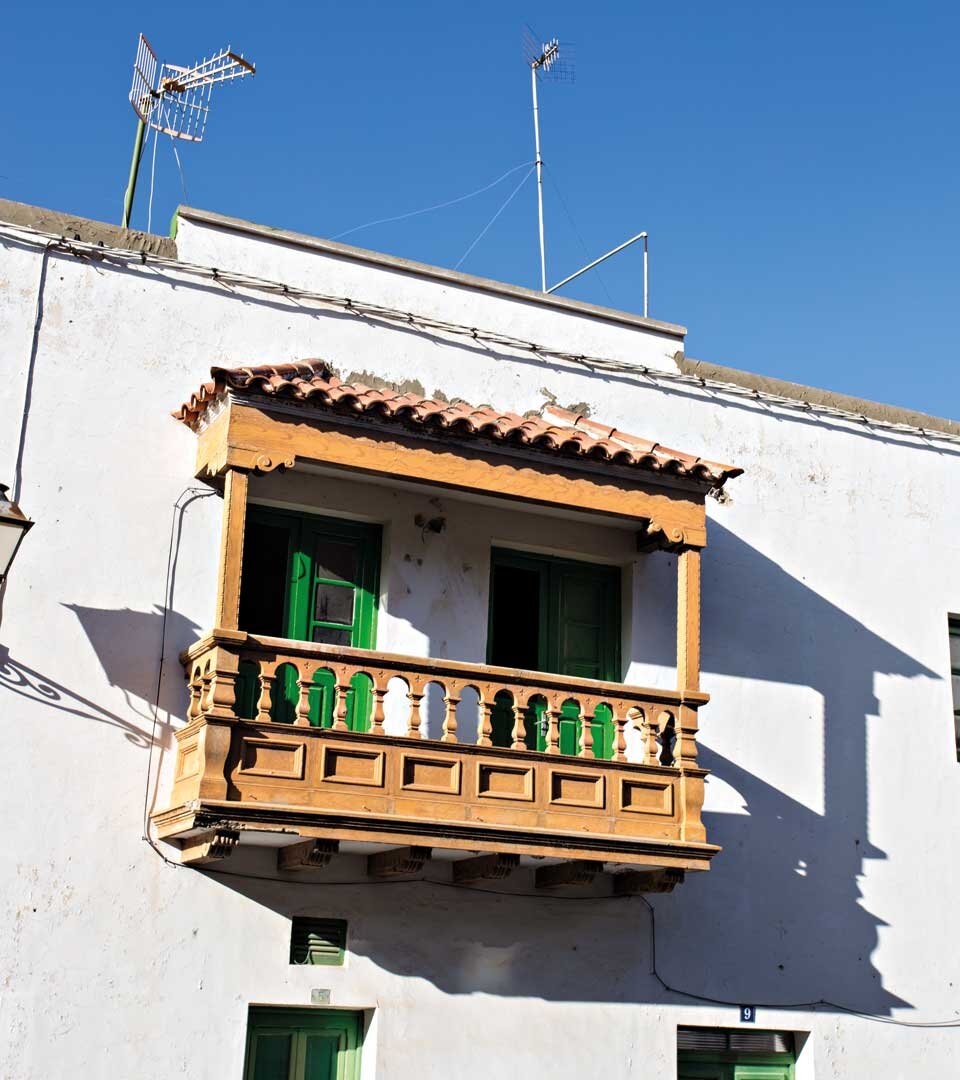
(585, 641)
(318, 941)
(330, 584)
(574, 611)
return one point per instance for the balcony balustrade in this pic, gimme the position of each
(337, 762)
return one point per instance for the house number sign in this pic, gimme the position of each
(748, 1014)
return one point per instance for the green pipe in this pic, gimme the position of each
(134, 169)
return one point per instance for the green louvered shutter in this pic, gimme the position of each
(318, 941)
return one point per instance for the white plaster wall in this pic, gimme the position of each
(835, 793)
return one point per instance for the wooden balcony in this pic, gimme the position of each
(388, 791)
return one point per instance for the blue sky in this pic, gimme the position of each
(796, 166)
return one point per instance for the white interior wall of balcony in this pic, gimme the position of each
(827, 579)
(435, 587)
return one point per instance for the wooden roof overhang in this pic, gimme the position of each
(243, 423)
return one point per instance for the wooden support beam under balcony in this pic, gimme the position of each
(209, 847)
(398, 862)
(577, 873)
(635, 882)
(493, 867)
(307, 855)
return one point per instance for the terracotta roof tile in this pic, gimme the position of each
(555, 431)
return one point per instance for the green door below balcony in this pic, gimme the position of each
(303, 1044)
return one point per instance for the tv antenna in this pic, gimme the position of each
(175, 102)
(545, 62)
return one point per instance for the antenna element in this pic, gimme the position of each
(545, 62)
(177, 103)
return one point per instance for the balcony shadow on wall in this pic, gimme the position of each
(778, 918)
(127, 644)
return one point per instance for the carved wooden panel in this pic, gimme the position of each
(576, 789)
(646, 797)
(505, 782)
(342, 765)
(422, 773)
(188, 759)
(272, 757)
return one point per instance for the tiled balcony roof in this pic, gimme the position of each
(555, 430)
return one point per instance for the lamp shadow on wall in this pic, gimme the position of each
(26, 682)
(778, 918)
(127, 646)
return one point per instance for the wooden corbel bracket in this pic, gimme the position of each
(662, 536)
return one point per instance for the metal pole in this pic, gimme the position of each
(134, 169)
(646, 278)
(539, 163)
(596, 262)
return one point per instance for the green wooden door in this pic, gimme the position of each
(699, 1067)
(303, 1044)
(560, 616)
(309, 578)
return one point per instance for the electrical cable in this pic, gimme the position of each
(129, 260)
(484, 230)
(818, 1003)
(173, 551)
(573, 225)
(31, 368)
(176, 154)
(430, 209)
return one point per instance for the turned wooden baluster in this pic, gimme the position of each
(666, 724)
(519, 726)
(196, 694)
(379, 693)
(206, 681)
(342, 688)
(586, 733)
(553, 728)
(619, 734)
(305, 683)
(644, 722)
(485, 730)
(267, 678)
(414, 696)
(450, 700)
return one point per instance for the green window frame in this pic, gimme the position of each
(330, 580)
(303, 1044)
(561, 583)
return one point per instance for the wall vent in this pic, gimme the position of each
(318, 941)
(719, 1041)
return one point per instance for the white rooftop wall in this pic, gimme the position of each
(827, 581)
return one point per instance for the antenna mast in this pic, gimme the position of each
(177, 103)
(544, 60)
